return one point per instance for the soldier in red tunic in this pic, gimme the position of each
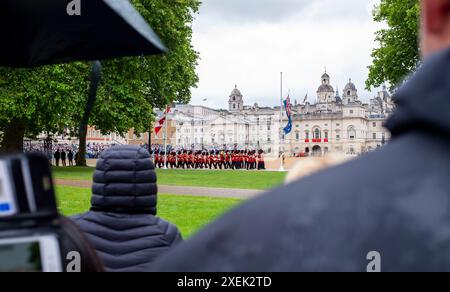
(156, 159)
(222, 160)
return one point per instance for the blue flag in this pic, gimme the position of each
(288, 107)
(288, 128)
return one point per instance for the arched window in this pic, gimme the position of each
(297, 136)
(326, 135)
(317, 134)
(351, 133)
(307, 135)
(234, 106)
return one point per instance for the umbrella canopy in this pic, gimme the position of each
(41, 32)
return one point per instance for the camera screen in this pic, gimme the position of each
(20, 257)
(7, 205)
(4, 206)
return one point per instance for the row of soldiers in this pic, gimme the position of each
(236, 160)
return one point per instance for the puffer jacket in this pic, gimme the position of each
(122, 223)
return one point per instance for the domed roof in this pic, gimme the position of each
(236, 92)
(350, 86)
(325, 76)
(325, 88)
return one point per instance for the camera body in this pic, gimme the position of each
(30, 229)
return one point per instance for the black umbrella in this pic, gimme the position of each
(41, 32)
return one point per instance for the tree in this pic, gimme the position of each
(52, 99)
(398, 54)
(39, 100)
(132, 87)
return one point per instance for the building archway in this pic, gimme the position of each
(316, 151)
(307, 151)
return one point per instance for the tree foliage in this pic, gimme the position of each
(52, 98)
(398, 52)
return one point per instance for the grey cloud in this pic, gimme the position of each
(244, 11)
(252, 10)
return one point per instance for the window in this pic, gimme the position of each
(317, 134)
(351, 112)
(269, 128)
(348, 93)
(297, 136)
(337, 125)
(307, 135)
(351, 132)
(326, 135)
(374, 136)
(234, 106)
(374, 124)
(338, 137)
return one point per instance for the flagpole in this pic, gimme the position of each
(165, 139)
(281, 122)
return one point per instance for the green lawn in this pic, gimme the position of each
(189, 213)
(195, 178)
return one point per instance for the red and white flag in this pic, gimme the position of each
(161, 122)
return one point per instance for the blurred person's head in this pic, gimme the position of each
(435, 26)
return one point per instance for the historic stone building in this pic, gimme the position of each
(332, 123)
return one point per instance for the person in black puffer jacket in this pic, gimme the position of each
(122, 224)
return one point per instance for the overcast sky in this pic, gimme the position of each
(249, 42)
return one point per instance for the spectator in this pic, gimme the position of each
(122, 220)
(57, 157)
(70, 157)
(76, 158)
(63, 158)
(391, 205)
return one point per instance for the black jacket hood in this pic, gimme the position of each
(424, 101)
(125, 182)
